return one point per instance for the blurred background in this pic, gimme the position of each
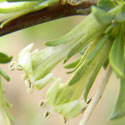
(25, 109)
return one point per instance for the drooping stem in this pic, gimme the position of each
(96, 97)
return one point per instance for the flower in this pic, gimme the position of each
(63, 99)
(39, 64)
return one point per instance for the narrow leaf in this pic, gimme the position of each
(4, 108)
(72, 65)
(106, 4)
(120, 17)
(99, 62)
(4, 58)
(119, 1)
(116, 57)
(119, 110)
(93, 62)
(4, 75)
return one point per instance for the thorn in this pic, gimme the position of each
(65, 120)
(84, 108)
(89, 101)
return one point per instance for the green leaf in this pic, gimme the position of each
(84, 49)
(106, 4)
(4, 58)
(4, 107)
(119, 1)
(91, 65)
(99, 61)
(2, 73)
(106, 64)
(17, 0)
(120, 17)
(9, 7)
(119, 110)
(72, 65)
(116, 57)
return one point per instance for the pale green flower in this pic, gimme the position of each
(62, 99)
(38, 64)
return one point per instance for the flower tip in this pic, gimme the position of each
(26, 49)
(24, 77)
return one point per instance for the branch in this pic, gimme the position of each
(48, 14)
(96, 97)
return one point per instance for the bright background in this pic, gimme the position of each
(26, 110)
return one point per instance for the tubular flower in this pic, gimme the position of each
(63, 99)
(38, 64)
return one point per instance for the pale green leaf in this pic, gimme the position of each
(119, 110)
(116, 57)
(4, 75)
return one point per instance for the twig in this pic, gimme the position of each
(48, 14)
(96, 98)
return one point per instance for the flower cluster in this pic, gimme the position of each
(100, 38)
